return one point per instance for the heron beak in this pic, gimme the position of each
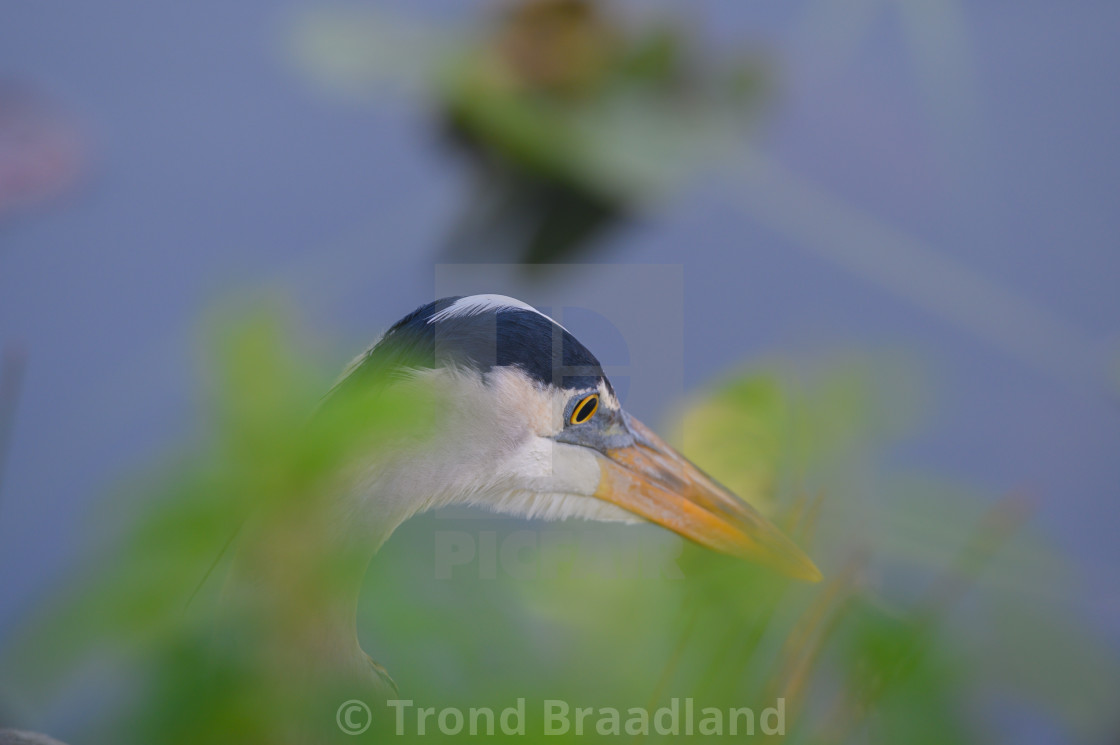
(654, 481)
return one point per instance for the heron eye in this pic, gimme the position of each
(585, 409)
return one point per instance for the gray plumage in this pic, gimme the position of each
(20, 737)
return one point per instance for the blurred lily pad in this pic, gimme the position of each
(572, 119)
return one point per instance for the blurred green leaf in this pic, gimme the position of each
(597, 615)
(573, 120)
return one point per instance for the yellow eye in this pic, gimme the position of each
(585, 409)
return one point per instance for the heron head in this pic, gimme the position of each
(530, 425)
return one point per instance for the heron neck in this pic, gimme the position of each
(294, 587)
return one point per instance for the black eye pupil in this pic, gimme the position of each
(585, 410)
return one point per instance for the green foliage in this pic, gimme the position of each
(198, 667)
(573, 119)
(595, 615)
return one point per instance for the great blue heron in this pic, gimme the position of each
(528, 425)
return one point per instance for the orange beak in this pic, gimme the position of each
(657, 483)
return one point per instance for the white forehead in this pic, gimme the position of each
(474, 305)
